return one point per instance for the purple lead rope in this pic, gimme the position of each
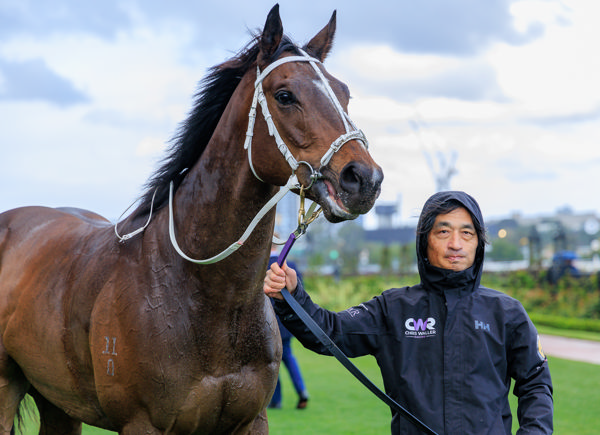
(286, 249)
(335, 351)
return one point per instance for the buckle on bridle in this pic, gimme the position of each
(305, 218)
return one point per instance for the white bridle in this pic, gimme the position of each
(352, 133)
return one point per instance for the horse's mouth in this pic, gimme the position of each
(332, 201)
(346, 195)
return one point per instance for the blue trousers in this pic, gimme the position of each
(290, 362)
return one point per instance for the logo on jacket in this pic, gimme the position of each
(482, 325)
(420, 327)
(540, 350)
(354, 311)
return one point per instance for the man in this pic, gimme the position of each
(447, 347)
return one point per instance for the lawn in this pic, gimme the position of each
(339, 404)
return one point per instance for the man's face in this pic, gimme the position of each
(452, 242)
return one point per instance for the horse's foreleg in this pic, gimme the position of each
(140, 427)
(53, 420)
(13, 387)
(260, 425)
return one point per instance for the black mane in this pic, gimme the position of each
(186, 147)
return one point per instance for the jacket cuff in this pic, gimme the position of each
(281, 306)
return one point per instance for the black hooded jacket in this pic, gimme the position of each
(447, 348)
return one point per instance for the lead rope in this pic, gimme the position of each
(332, 347)
(128, 236)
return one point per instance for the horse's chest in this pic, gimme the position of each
(236, 379)
(212, 377)
(226, 403)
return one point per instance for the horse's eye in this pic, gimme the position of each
(285, 98)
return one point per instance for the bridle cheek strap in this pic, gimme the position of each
(352, 133)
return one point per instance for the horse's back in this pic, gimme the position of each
(33, 239)
(20, 224)
(86, 216)
(41, 252)
(41, 249)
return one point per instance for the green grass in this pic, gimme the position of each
(576, 396)
(339, 404)
(88, 430)
(569, 333)
(344, 406)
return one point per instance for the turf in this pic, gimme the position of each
(344, 406)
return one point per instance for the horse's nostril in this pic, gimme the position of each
(351, 178)
(357, 178)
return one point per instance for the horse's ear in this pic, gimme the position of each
(271, 37)
(321, 44)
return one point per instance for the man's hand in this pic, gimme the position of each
(279, 277)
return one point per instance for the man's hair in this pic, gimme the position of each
(431, 211)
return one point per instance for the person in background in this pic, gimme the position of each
(288, 358)
(447, 347)
(563, 265)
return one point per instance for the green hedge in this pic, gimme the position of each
(571, 323)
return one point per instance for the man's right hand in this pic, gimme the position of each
(279, 277)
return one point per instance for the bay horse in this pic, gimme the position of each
(124, 333)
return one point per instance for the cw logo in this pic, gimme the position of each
(420, 324)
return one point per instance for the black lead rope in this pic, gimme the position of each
(335, 351)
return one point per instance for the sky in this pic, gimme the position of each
(505, 92)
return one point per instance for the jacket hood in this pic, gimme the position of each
(435, 278)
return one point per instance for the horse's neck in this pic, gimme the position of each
(215, 204)
(220, 191)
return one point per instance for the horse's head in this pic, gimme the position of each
(315, 138)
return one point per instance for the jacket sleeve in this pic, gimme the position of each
(533, 384)
(354, 331)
